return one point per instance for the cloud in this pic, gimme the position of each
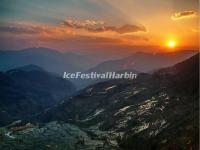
(18, 30)
(100, 26)
(130, 28)
(82, 24)
(45, 31)
(183, 14)
(91, 26)
(24, 29)
(61, 37)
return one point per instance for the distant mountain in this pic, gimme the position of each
(153, 112)
(27, 90)
(144, 62)
(82, 61)
(138, 62)
(50, 60)
(58, 62)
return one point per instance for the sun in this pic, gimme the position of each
(171, 44)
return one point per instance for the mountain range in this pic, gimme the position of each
(49, 59)
(60, 62)
(27, 90)
(158, 111)
(155, 111)
(136, 63)
(143, 62)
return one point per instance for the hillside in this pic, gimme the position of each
(28, 90)
(151, 110)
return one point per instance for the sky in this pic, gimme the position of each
(99, 25)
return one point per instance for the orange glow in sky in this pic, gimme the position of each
(68, 24)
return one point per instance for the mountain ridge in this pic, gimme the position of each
(141, 114)
(144, 62)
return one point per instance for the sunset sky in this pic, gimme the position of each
(75, 25)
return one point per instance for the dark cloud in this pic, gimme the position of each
(130, 28)
(100, 26)
(183, 14)
(21, 29)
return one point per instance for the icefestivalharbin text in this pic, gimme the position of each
(95, 75)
